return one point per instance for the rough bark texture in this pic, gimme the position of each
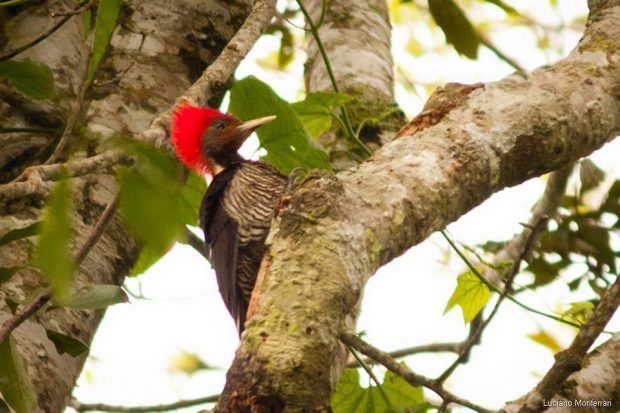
(598, 380)
(160, 48)
(356, 36)
(333, 232)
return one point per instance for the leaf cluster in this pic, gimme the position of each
(393, 395)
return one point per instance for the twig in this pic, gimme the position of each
(493, 288)
(456, 347)
(489, 45)
(73, 12)
(31, 181)
(87, 407)
(196, 243)
(95, 234)
(48, 131)
(44, 35)
(118, 75)
(546, 206)
(24, 312)
(409, 351)
(406, 373)
(569, 360)
(477, 332)
(370, 373)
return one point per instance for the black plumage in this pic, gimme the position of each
(235, 215)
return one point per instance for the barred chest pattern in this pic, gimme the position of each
(235, 216)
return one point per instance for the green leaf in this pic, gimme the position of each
(590, 175)
(511, 11)
(93, 297)
(287, 49)
(188, 363)
(52, 253)
(400, 393)
(350, 397)
(154, 204)
(4, 408)
(12, 304)
(579, 310)
(287, 142)
(597, 238)
(191, 197)
(20, 233)
(545, 339)
(470, 294)
(15, 387)
(105, 23)
(7, 272)
(149, 201)
(544, 271)
(456, 26)
(33, 79)
(316, 110)
(149, 255)
(286, 53)
(86, 21)
(8, 3)
(65, 344)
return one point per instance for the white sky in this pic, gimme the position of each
(403, 303)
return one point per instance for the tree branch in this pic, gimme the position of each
(516, 250)
(477, 332)
(24, 312)
(314, 271)
(409, 351)
(32, 180)
(406, 373)
(569, 360)
(546, 206)
(88, 407)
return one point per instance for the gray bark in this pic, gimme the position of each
(598, 381)
(357, 39)
(159, 49)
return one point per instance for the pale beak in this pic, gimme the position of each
(250, 125)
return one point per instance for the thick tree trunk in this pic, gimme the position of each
(158, 50)
(356, 39)
(335, 231)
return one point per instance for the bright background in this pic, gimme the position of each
(176, 313)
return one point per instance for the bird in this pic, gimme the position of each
(239, 204)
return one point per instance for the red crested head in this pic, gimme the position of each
(207, 140)
(189, 124)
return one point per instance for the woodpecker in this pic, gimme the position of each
(240, 201)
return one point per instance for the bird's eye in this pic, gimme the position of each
(219, 125)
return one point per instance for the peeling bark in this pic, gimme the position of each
(337, 230)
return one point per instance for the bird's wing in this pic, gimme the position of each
(223, 243)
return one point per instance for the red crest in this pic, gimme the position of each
(189, 123)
